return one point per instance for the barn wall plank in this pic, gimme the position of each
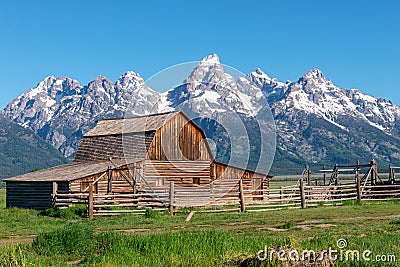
(179, 139)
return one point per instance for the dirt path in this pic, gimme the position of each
(369, 218)
(17, 240)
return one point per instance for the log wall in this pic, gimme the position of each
(32, 195)
(119, 183)
(183, 173)
(255, 182)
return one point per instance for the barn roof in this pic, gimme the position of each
(144, 123)
(67, 172)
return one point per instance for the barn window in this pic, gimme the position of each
(196, 180)
(160, 181)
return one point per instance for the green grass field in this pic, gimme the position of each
(28, 238)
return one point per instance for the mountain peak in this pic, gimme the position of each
(258, 73)
(211, 59)
(131, 80)
(130, 75)
(208, 70)
(47, 80)
(100, 78)
(314, 74)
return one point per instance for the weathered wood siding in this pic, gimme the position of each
(182, 173)
(118, 183)
(251, 180)
(133, 145)
(32, 195)
(179, 139)
(224, 171)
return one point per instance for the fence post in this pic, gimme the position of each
(241, 196)
(374, 172)
(359, 194)
(302, 194)
(171, 198)
(358, 181)
(55, 188)
(324, 175)
(336, 174)
(391, 175)
(90, 202)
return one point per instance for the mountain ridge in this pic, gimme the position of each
(61, 110)
(21, 150)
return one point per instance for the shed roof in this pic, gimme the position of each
(144, 123)
(67, 172)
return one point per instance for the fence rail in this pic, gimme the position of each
(216, 196)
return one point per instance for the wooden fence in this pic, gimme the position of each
(217, 196)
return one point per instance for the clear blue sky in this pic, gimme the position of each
(355, 43)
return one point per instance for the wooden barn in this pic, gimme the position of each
(131, 155)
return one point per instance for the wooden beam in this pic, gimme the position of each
(122, 174)
(55, 189)
(374, 174)
(90, 202)
(95, 181)
(302, 194)
(241, 196)
(358, 185)
(189, 216)
(109, 180)
(171, 198)
(336, 174)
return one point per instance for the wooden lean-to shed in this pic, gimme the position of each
(130, 155)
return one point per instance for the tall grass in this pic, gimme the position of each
(222, 239)
(74, 212)
(13, 256)
(74, 240)
(201, 248)
(81, 244)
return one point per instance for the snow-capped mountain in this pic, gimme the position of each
(319, 122)
(316, 121)
(313, 93)
(61, 110)
(208, 90)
